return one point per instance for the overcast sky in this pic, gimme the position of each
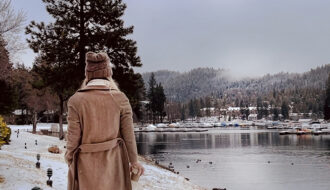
(249, 37)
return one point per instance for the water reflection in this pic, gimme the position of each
(153, 143)
(244, 155)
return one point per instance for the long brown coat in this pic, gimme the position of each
(99, 118)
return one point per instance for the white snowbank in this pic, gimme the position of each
(39, 126)
(161, 125)
(150, 127)
(206, 125)
(17, 166)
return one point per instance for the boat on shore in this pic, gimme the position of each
(305, 132)
(284, 132)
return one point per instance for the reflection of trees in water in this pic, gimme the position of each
(263, 139)
(309, 141)
(157, 143)
(245, 139)
(327, 143)
(222, 141)
(275, 140)
(285, 140)
(141, 143)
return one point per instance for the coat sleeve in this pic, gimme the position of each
(73, 133)
(127, 128)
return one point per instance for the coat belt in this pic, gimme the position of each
(99, 147)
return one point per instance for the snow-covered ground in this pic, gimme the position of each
(17, 166)
(39, 126)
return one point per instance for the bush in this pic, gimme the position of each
(5, 132)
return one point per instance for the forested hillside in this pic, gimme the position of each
(304, 91)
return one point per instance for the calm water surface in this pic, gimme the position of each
(244, 159)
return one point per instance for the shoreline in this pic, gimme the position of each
(17, 166)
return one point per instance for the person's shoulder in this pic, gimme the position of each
(115, 91)
(121, 100)
(119, 95)
(75, 98)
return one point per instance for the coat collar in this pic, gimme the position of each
(96, 82)
(94, 87)
(98, 86)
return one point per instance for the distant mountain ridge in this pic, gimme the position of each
(201, 82)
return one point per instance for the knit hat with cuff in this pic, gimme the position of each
(97, 66)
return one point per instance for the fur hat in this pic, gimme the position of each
(97, 66)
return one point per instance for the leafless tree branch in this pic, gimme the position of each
(10, 21)
(11, 24)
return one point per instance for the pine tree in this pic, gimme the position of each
(5, 65)
(276, 114)
(265, 109)
(246, 112)
(208, 106)
(160, 100)
(259, 108)
(81, 26)
(326, 110)
(8, 97)
(191, 109)
(183, 112)
(242, 109)
(236, 102)
(197, 108)
(152, 107)
(201, 102)
(285, 110)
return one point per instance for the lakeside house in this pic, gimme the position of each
(253, 117)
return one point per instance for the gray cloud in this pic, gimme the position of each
(249, 37)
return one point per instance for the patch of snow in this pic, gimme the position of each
(39, 126)
(150, 127)
(161, 125)
(206, 125)
(218, 124)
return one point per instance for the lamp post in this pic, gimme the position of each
(36, 188)
(49, 174)
(38, 163)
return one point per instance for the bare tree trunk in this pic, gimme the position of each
(35, 120)
(61, 133)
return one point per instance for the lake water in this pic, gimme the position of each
(244, 159)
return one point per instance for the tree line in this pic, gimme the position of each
(58, 70)
(304, 93)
